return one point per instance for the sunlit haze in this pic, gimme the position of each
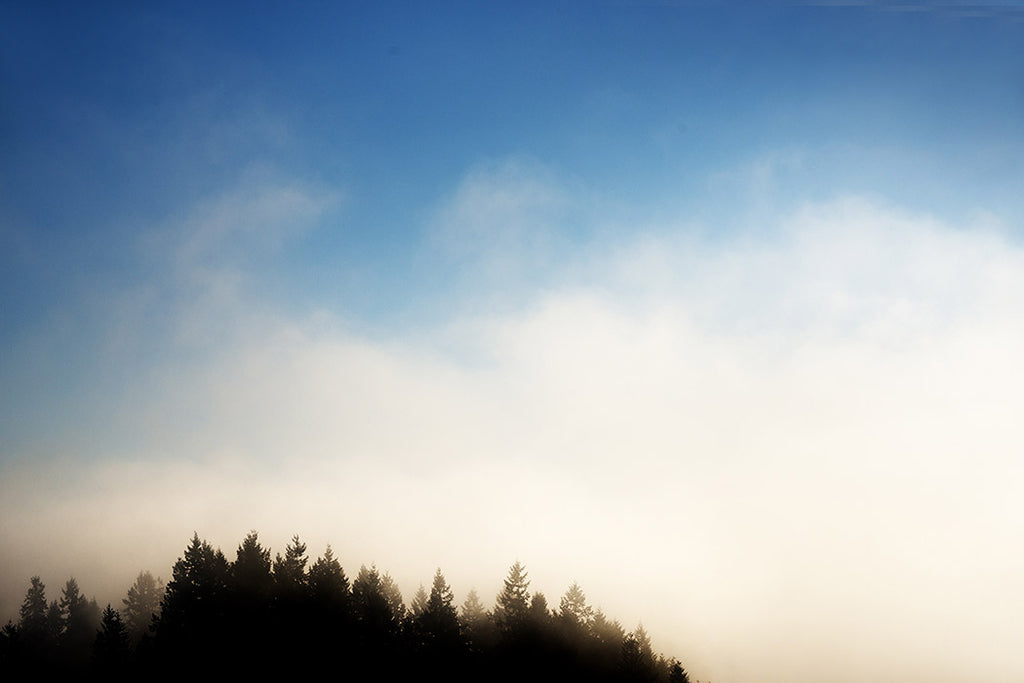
(716, 309)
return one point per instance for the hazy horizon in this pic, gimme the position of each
(715, 309)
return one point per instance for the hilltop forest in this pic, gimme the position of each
(258, 616)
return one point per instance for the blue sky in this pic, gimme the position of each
(129, 115)
(253, 253)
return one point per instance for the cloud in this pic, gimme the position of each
(506, 218)
(780, 450)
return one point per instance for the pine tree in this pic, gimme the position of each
(9, 641)
(71, 601)
(81, 617)
(112, 645)
(328, 583)
(142, 605)
(476, 623)
(473, 611)
(512, 604)
(419, 603)
(251, 571)
(192, 610)
(539, 612)
(330, 615)
(606, 631)
(373, 609)
(644, 643)
(440, 618)
(34, 639)
(441, 597)
(638, 662)
(573, 610)
(33, 623)
(676, 672)
(54, 622)
(290, 570)
(251, 589)
(393, 596)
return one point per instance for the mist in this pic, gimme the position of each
(790, 453)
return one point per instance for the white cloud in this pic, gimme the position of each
(506, 219)
(780, 452)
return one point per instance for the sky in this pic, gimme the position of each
(715, 308)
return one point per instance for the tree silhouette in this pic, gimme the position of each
(607, 631)
(440, 619)
(290, 570)
(81, 617)
(473, 612)
(573, 610)
(393, 596)
(538, 611)
(329, 618)
(254, 618)
(33, 622)
(676, 672)
(33, 641)
(512, 604)
(374, 611)
(54, 624)
(112, 646)
(328, 583)
(251, 587)
(142, 605)
(435, 634)
(638, 662)
(419, 603)
(193, 608)
(250, 574)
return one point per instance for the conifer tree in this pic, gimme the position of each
(513, 602)
(393, 595)
(34, 638)
(539, 612)
(644, 643)
(476, 622)
(327, 581)
(251, 575)
(676, 672)
(9, 641)
(193, 606)
(573, 610)
(206, 615)
(54, 622)
(473, 610)
(607, 631)
(330, 610)
(373, 609)
(141, 606)
(440, 617)
(441, 596)
(81, 617)
(251, 588)
(419, 603)
(71, 600)
(112, 646)
(33, 623)
(290, 570)
(638, 662)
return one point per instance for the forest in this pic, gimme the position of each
(262, 616)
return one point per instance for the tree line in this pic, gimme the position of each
(261, 616)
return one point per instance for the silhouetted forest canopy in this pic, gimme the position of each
(258, 615)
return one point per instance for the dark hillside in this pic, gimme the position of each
(258, 617)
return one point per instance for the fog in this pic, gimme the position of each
(792, 454)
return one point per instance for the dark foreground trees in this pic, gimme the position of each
(252, 616)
